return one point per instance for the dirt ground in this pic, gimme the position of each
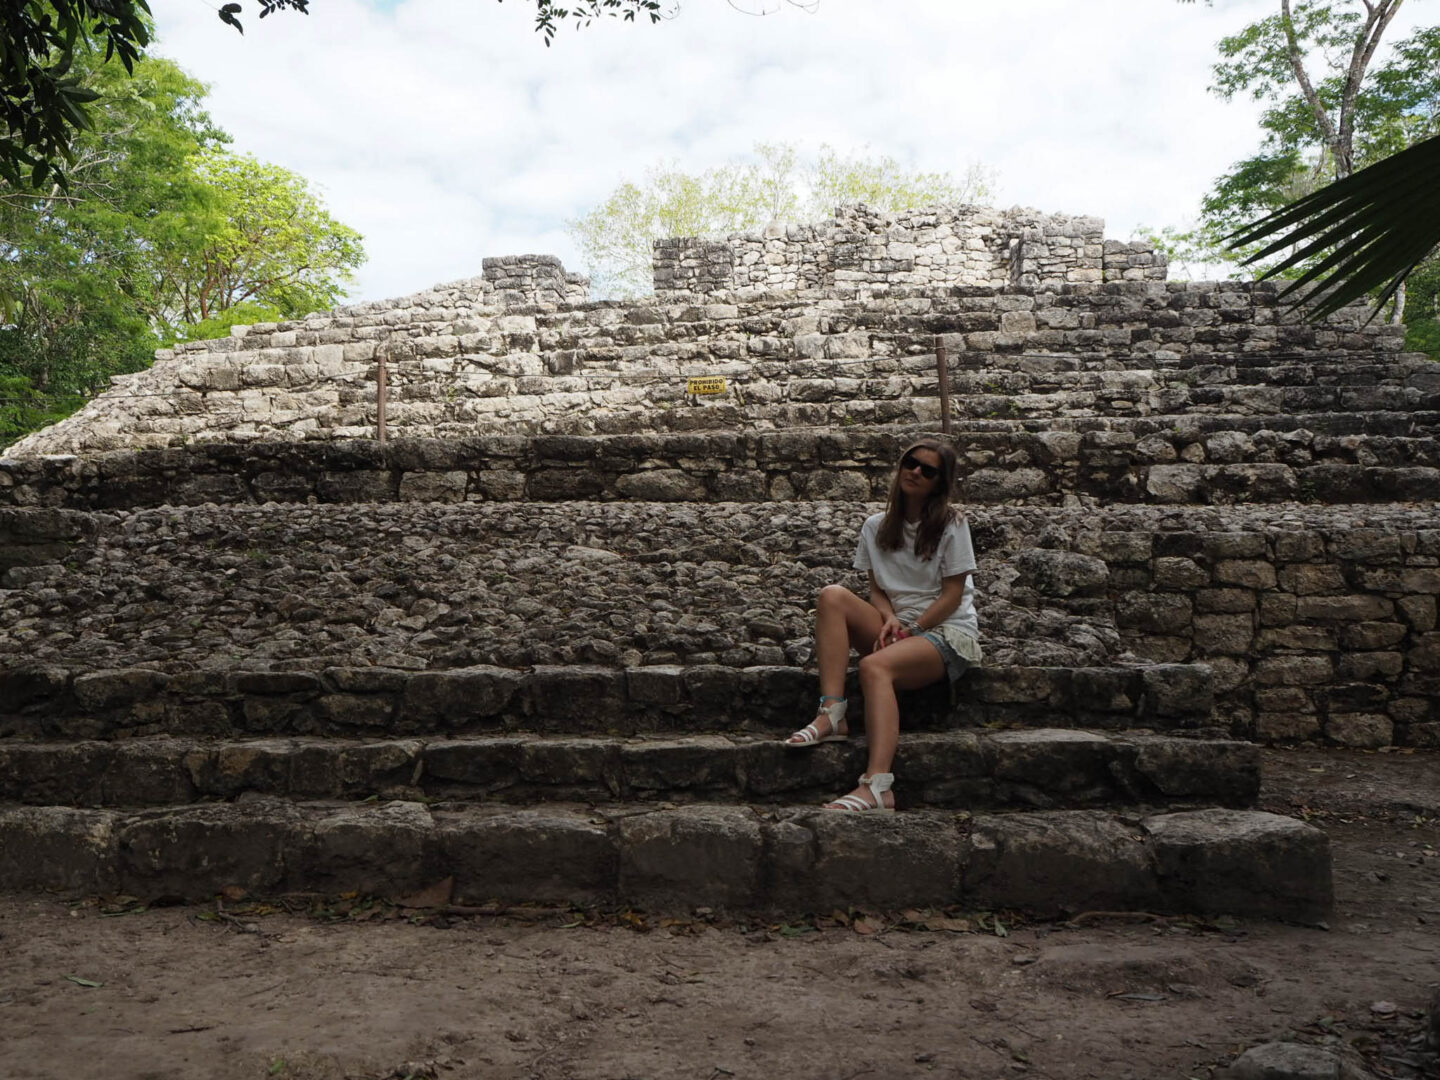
(354, 989)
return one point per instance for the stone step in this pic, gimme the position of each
(1318, 457)
(1045, 768)
(1240, 862)
(51, 702)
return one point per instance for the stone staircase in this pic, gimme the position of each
(546, 639)
(156, 739)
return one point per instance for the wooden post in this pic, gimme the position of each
(381, 396)
(943, 368)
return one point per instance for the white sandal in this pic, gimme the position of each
(878, 784)
(810, 735)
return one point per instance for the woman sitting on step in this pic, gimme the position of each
(918, 627)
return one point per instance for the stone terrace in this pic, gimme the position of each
(555, 624)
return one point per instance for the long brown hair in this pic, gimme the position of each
(935, 514)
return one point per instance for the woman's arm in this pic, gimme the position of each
(952, 591)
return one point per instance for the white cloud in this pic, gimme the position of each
(445, 131)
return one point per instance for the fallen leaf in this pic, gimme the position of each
(233, 892)
(78, 981)
(1383, 1008)
(437, 895)
(865, 926)
(957, 926)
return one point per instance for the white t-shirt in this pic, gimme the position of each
(913, 583)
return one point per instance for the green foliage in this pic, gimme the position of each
(1334, 106)
(161, 235)
(43, 98)
(258, 236)
(776, 185)
(1422, 310)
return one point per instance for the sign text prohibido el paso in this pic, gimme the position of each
(705, 384)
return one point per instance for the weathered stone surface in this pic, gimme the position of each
(705, 855)
(56, 847)
(1291, 1061)
(379, 849)
(1067, 861)
(547, 854)
(199, 850)
(460, 695)
(884, 860)
(1061, 573)
(1243, 862)
(108, 689)
(1226, 772)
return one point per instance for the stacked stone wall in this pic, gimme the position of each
(1223, 460)
(459, 365)
(861, 249)
(1315, 623)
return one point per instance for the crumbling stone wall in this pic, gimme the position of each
(863, 249)
(459, 365)
(1311, 623)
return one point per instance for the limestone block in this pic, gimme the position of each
(379, 849)
(874, 860)
(1176, 483)
(1279, 727)
(661, 485)
(194, 852)
(1353, 608)
(1372, 635)
(1369, 730)
(1299, 636)
(355, 710)
(1177, 690)
(1224, 634)
(1071, 861)
(1291, 1061)
(1419, 612)
(126, 686)
(1053, 760)
(558, 695)
(702, 855)
(1307, 579)
(459, 695)
(1061, 573)
(1245, 573)
(56, 847)
(1242, 862)
(570, 763)
(1162, 613)
(1173, 572)
(1227, 772)
(695, 764)
(546, 855)
(1293, 670)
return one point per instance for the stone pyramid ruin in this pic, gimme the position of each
(544, 636)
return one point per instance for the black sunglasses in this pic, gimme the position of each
(910, 461)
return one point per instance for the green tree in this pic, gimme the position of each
(72, 259)
(160, 234)
(777, 185)
(1335, 104)
(260, 245)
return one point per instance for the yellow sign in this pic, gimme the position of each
(706, 384)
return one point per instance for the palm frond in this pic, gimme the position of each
(1378, 224)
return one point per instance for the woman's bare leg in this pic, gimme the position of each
(842, 621)
(905, 665)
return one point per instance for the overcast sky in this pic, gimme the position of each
(444, 130)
